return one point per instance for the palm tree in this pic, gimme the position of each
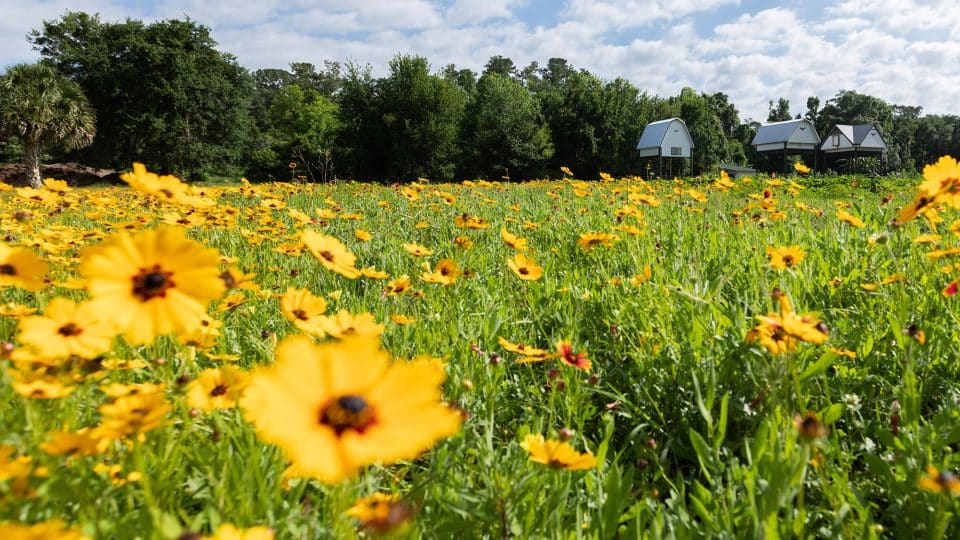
(42, 107)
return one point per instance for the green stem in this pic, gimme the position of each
(146, 487)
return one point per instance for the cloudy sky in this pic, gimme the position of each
(904, 51)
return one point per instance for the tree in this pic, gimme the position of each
(303, 126)
(571, 109)
(813, 109)
(903, 137)
(505, 133)
(937, 135)
(595, 126)
(849, 107)
(465, 78)
(41, 107)
(501, 65)
(325, 81)
(725, 112)
(362, 144)
(165, 95)
(420, 115)
(710, 143)
(621, 122)
(779, 112)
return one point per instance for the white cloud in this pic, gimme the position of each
(476, 11)
(620, 14)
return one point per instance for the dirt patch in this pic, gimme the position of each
(73, 173)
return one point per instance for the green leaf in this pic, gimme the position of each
(704, 455)
(818, 367)
(721, 432)
(832, 413)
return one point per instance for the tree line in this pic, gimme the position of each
(164, 95)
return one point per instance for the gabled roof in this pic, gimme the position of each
(847, 132)
(857, 133)
(860, 132)
(778, 132)
(655, 132)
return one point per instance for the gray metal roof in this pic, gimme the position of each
(781, 131)
(847, 132)
(732, 167)
(655, 132)
(860, 132)
(857, 133)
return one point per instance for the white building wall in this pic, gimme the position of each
(676, 137)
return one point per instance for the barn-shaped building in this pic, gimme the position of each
(665, 139)
(846, 141)
(792, 136)
(786, 138)
(858, 138)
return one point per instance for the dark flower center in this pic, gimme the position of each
(523, 270)
(788, 260)
(228, 280)
(300, 314)
(7, 270)
(69, 329)
(347, 412)
(218, 390)
(327, 255)
(944, 479)
(151, 283)
(778, 334)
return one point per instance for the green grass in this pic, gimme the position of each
(692, 426)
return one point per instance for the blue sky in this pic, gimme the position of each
(904, 51)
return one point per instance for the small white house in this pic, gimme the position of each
(665, 138)
(796, 135)
(844, 138)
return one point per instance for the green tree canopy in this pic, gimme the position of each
(166, 96)
(779, 111)
(706, 130)
(420, 116)
(303, 127)
(41, 107)
(505, 133)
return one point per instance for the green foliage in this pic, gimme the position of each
(420, 116)
(303, 126)
(694, 429)
(42, 108)
(780, 111)
(500, 65)
(165, 96)
(504, 132)
(594, 125)
(706, 130)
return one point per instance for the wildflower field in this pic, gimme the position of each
(554, 359)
